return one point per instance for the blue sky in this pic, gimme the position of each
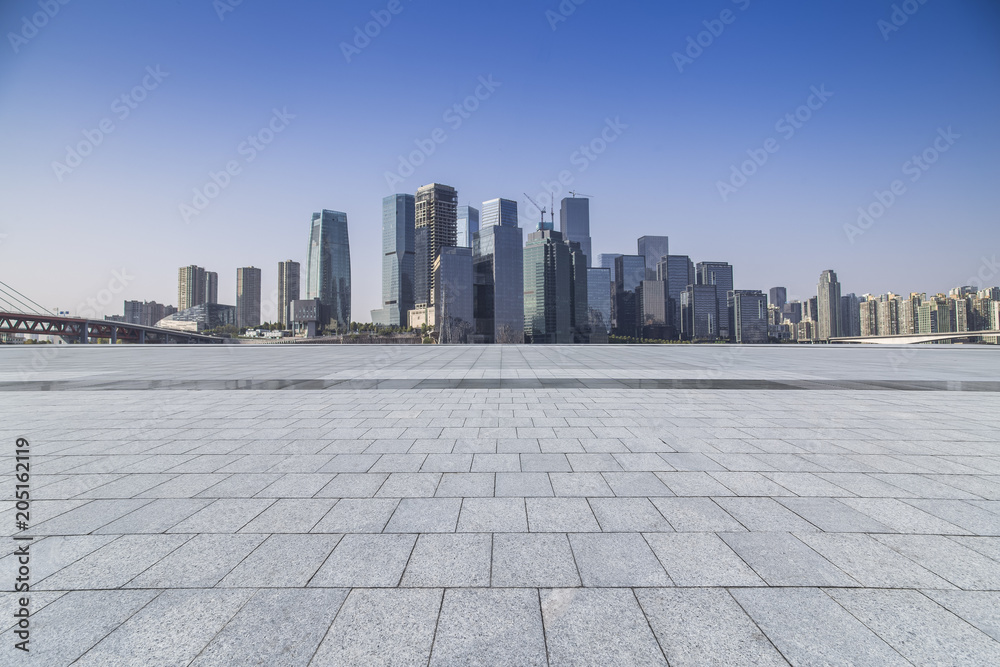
(344, 125)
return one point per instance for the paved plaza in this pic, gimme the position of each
(502, 505)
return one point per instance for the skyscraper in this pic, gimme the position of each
(436, 227)
(328, 272)
(574, 223)
(247, 297)
(630, 271)
(828, 306)
(653, 301)
(498, 261)
(398, 216)
(779, 297)
(678, 271)
(700, 312)
(553, 270)
(453, 299)
(748, 315)
(196, 286)
(288, 290)
(654, 249)
(467, 225)
(599, 303)
(719, 274)
(850, 315)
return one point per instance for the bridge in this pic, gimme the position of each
(909, 339)
(84, 331)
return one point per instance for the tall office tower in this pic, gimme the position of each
(467, 225)
(654, 249)
(397, 260)
(779, 297)
(190, 287)
(792, 311)
(453, 299)
(247, 297)
(700, 312)
(748, 314)
(888, 314)
(211, 287)
(436, 227)
(552, 273)
(579, 309)
(498, 274)
(908, 323)
(599, 304)
(607, 261)
(288, 290)
(328, 271)
(678, 271)
(653, 302)
(719, 274)
(850, 312)
(828, 306)
(574, 223)
(868, 315)
(630, 271)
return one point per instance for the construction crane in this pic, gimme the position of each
(540, 208)
(579, 194)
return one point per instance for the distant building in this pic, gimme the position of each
(467, 225)
(792, 311)
(868, 316)
(554, 277)
(453, 301)
(719, 274)
(778, 297)
(828, 306)
(328, 271)
(630, 271)
(289, 273)
(654, 249)
(653, 302)
(398, 221)
(146, 313)
(196, 286)
(700, 313)
(574, 223)
(888, 315)
(247, 297)
(203, 317)
(607, 261)
(850, 315)
(678, 271)
(908, 317)
(498, 274)
(599, 289)
(748, 315)
(306, 314)
(435, 227)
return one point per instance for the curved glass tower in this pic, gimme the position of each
(328, 273)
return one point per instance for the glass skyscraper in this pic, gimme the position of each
(748, 314)
(678, 271)
(468, 224)
(700, 313)
(453, 297)
(498, 259)
(719, 274)
(574, 223)
(654, 249)
(599, 303)
(398, 214)
(554, 282)
(328, 272)
(630, 271)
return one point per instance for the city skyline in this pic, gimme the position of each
(667, 137)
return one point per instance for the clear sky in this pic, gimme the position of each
(346, 115)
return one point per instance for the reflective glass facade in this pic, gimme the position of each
(574, 223)
(630, 271)
(328, 272)
(467, 225)
(748, 313)
(678, 271)
(654, 249)
(700, 313)
(719, 274)
(599, 300)
(397, 258)
(498, 259)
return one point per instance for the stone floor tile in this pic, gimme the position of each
(560, 515)
(490, 627)
(533, 560)
(290, 515)
(948, 559)
(871, 563)
(832, 516)
(353, 485)
(367, 561)
(628, 515)
(701, 559)
(200, 562)
(493, 515)
(641, 484)
(425, 515)
(449, 561)
(764, 515)
(282, 561)
(979, 608)
(223, 516)
(113, 565)
(466, 485)
(523, 484)
(357, 515)
(782, 560)
(579, 484)
(696, 515)
(616, 559)
(690, 483)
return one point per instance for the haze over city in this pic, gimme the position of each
(694, 90)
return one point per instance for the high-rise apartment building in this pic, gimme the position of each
(630, 271)
(779, 297)
(868, 315)
(247, 297)
(288, 290)
(654, 249)
(553, 272)
(908, 319)
(498, 263)
(678, 271)
(328, 271)
(748, 315)
(719, 274)
(574, 223)
(828, 306)
(467, 225)
(146, 313)
(398, 258)
(196, 286)
(888, 314)
(435, 227)
(850, 312)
